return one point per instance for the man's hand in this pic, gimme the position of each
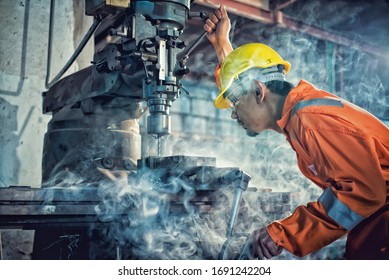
(259, 246)
(218, 27)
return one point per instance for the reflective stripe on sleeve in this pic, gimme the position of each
(339, 211)
(317, 102)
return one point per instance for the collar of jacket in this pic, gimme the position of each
(300, 92)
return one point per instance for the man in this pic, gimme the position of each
(339, 146)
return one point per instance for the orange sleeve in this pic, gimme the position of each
(354, 181)
(308, 229)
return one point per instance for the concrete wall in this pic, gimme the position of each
(23, 59)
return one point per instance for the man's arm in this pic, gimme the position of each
(358, 189)
(218, 27)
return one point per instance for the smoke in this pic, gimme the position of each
(153, 218)
(349, 73)
(161, 221)
(364, 85)
(156, 222)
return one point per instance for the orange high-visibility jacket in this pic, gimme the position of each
(345, 151)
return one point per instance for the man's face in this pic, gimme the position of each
(253, 117)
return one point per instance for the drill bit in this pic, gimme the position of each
(159, 146)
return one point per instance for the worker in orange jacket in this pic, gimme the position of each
(339, 146)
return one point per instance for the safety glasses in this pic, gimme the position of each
(244, 83)
(240, 87)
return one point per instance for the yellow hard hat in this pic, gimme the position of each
(240, 60)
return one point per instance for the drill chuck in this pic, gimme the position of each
(158, 122)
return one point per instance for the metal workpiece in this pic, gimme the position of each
(199, 179)
(75, 200)
(175, 170)
(78, 204)
(177, 161)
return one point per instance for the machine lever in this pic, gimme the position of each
(191, 48)
(203, 15)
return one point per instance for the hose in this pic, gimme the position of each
(96, 22)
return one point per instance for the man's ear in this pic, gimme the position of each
(259, 91)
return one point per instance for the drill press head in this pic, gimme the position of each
(149, 39)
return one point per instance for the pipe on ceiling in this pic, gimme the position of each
(276, 17)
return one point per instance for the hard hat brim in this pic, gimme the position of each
(221, 102)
